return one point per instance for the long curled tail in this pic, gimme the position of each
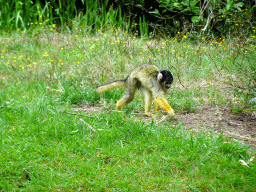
(112, 85)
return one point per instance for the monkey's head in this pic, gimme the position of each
(165, 78)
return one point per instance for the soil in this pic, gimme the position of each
(240, 126)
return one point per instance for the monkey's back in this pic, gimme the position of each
(143, 75)
(144, 70)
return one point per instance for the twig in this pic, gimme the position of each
(177, 75)
(215, 64)
(88, 125)
(75, 114)
(54, 90)
(252, 139)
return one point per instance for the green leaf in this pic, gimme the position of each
(195, 19)
(155, 12)
(177, 5)
(239, 5)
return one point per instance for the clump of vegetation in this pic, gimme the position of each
(57, 133)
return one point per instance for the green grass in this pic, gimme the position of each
(45, 75)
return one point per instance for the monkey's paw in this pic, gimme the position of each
(171, 112)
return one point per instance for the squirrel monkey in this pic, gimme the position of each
(152, 82)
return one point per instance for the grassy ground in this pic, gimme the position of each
(45, 75)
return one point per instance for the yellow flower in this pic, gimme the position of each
(46, 54)
(2, 56)
(173, 51)
(21, 67)
(3, 51)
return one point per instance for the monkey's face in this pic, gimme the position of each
(165, 78)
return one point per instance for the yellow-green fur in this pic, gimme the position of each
(144, 77)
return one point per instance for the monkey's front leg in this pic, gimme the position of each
(162, 102)
(148, 100)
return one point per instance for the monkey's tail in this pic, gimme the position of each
(112, 85)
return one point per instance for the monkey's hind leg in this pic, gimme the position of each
(162, 102)
(148, 100)
(126, 99)
(131, 87)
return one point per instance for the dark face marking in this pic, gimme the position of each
(167, 79)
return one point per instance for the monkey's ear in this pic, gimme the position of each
(159, 76)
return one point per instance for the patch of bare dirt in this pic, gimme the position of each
(240, 126)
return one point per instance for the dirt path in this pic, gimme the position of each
(240, 126)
